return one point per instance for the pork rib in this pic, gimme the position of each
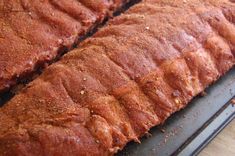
(34, 32)
(130, 76)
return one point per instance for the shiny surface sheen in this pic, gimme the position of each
(34, 32)
(130, 76)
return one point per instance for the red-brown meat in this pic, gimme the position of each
(130, 76)
(33, 32)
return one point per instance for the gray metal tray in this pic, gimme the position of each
(189, 130)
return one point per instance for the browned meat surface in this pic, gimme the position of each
(33, 32)
(130, 76)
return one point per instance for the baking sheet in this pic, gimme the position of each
(189, 130)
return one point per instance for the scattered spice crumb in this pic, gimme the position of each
(147, 28)
(233, 102)
(177, 101)
(84, 79)
(163, 130)
(148, 135)
(82, 92)
(203, 93)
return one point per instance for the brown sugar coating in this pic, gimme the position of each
(130, 76)
(34, 32)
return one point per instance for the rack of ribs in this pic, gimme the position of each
(131, 75)
(34, 32)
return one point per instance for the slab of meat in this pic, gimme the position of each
(34, 32)
(130, 76)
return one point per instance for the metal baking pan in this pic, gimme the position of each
(189, 130)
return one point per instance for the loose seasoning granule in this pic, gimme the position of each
(148, 135)
(82, 92)
(203, 93)
(147, 28)
(163, 130)
(233, 102)
(177, 101)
